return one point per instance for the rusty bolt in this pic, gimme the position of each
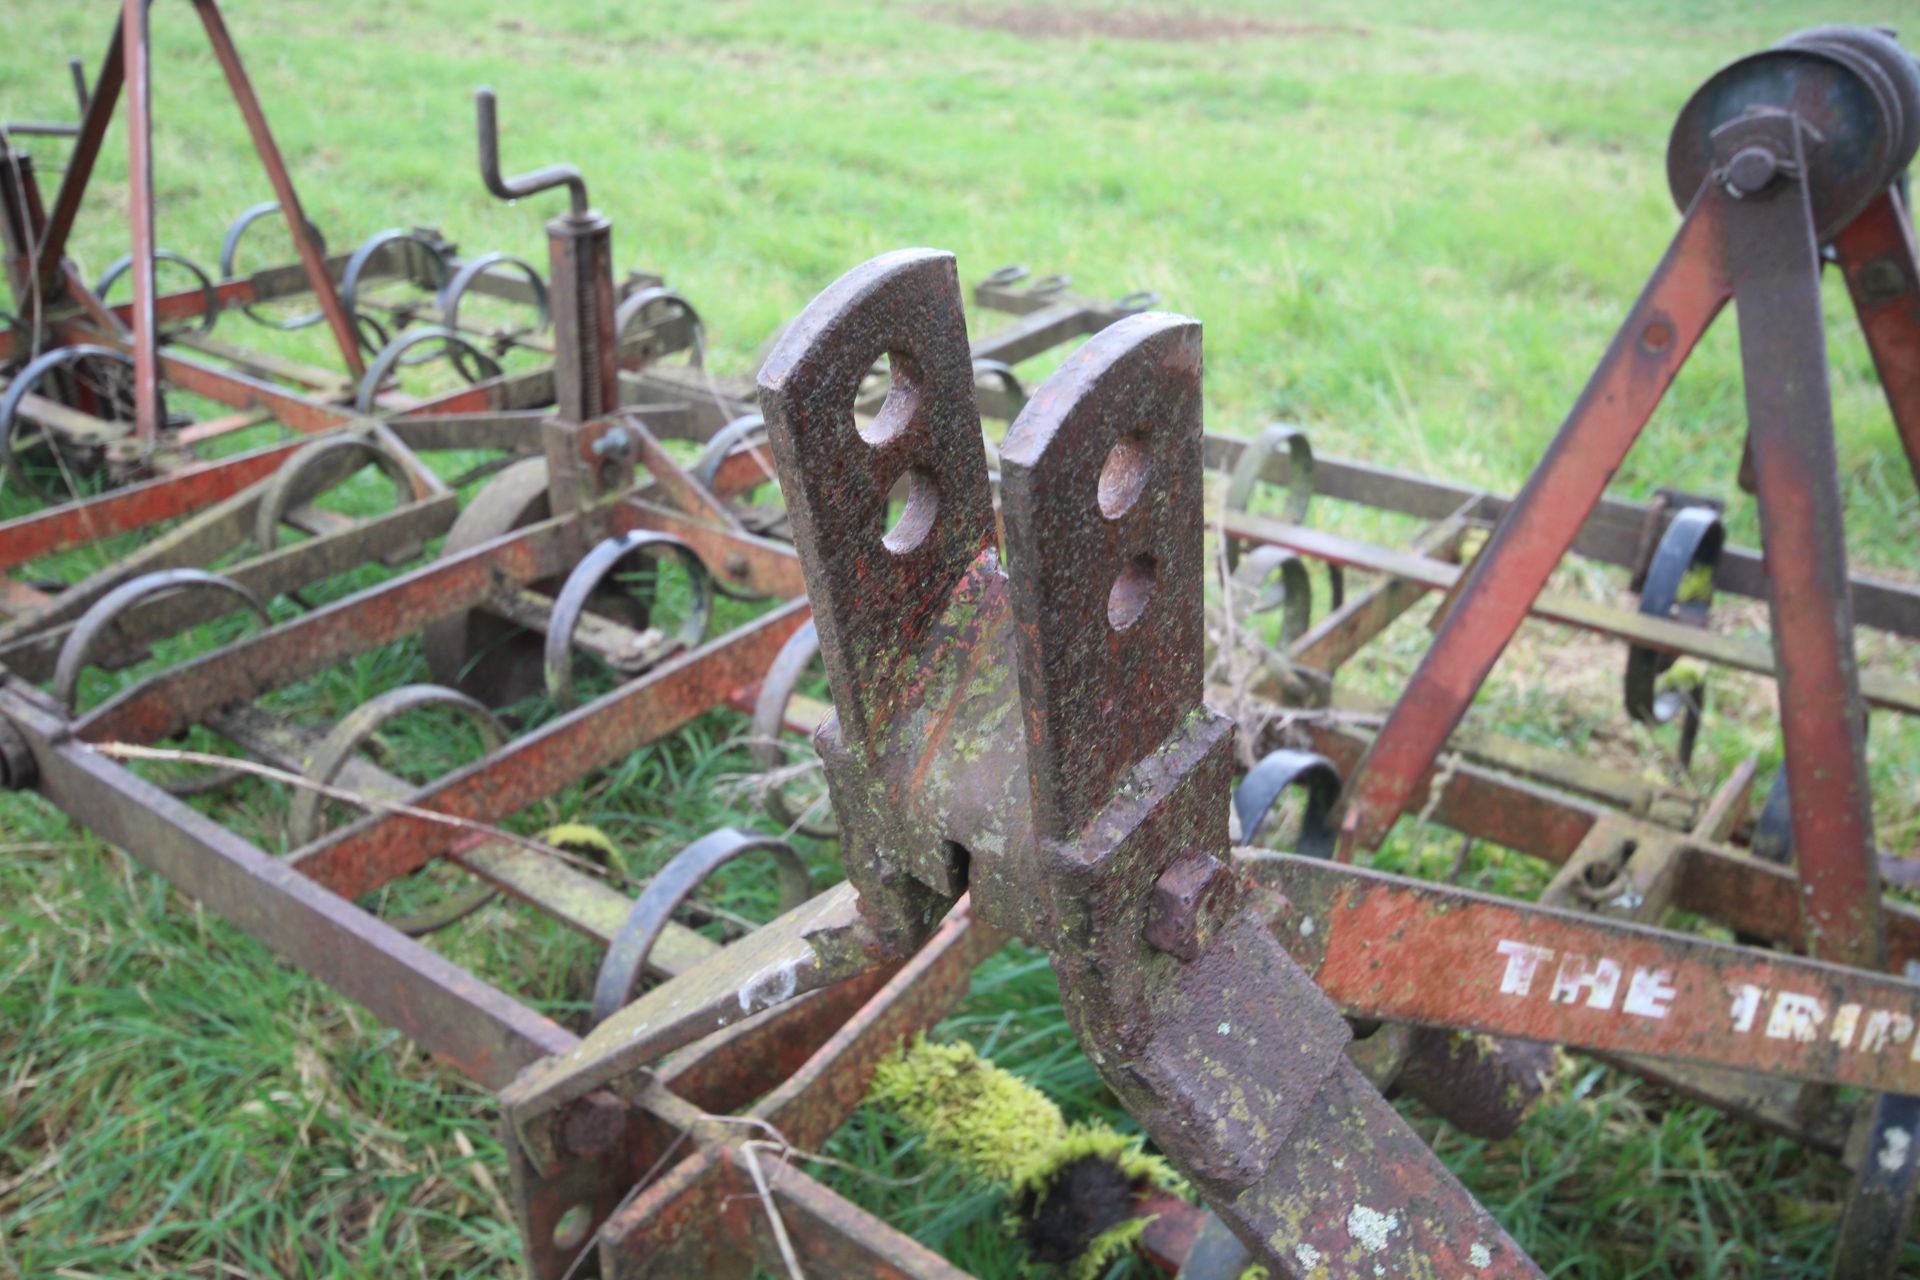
(17, 768)
(1751, 171)
(593, 1125)
(737, 565)
(1189, 900)
(1881, 281)
(612, 443)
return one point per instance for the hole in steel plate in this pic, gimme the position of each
(901, 376)
(915, 521)
(570, 1232)
(1123, 478)
(1131, 591)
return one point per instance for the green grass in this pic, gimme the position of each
(1410, 226)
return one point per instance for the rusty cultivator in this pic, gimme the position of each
(1023, 653)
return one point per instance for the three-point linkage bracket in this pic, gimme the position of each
(1025, 724)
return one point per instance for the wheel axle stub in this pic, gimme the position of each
(769, 716)
(347, 737)
(1260, 790)
(229, 251)
(587, 578)
(1679, 585)
(209, 294)
(670, 888)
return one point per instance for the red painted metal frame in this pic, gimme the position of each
(1687, 290)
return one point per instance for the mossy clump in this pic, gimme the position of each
(1073, 1186)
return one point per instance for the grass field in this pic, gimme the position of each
(1410, 226)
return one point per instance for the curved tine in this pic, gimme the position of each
(1002, 372)
(210, 296)
(706, 468)
(593, 568)
(388, 360)
(1773, 830)
(462, 280)
(487, 107)
(1270, 578)
(357, 263)
(1260, 790)
(282, 488)
(230, 251)
(770, 715)
(876, 598)
(1692, 541)
(18, 389)
(1101, 482)
(635, 304)
(626, 958)
(353, 730)
(1252, 466)
(105, 612)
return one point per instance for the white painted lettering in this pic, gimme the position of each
(1523, 961)
(1601, 981)
(1650, 993)
(1796, 1017)
(1885, 1028)
(1846, 1019)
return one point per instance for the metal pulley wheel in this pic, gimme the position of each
(1856, 90)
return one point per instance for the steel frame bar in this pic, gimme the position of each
(146, 333)
(1776, 276)
(1876, 254)
(283, 189)
(1578, 979)
(1684, 294)
(80, 162)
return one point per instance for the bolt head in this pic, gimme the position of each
(1751, 171)
(594, 1125)
(1882, 280)
(613, 441)
(1189, 900)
